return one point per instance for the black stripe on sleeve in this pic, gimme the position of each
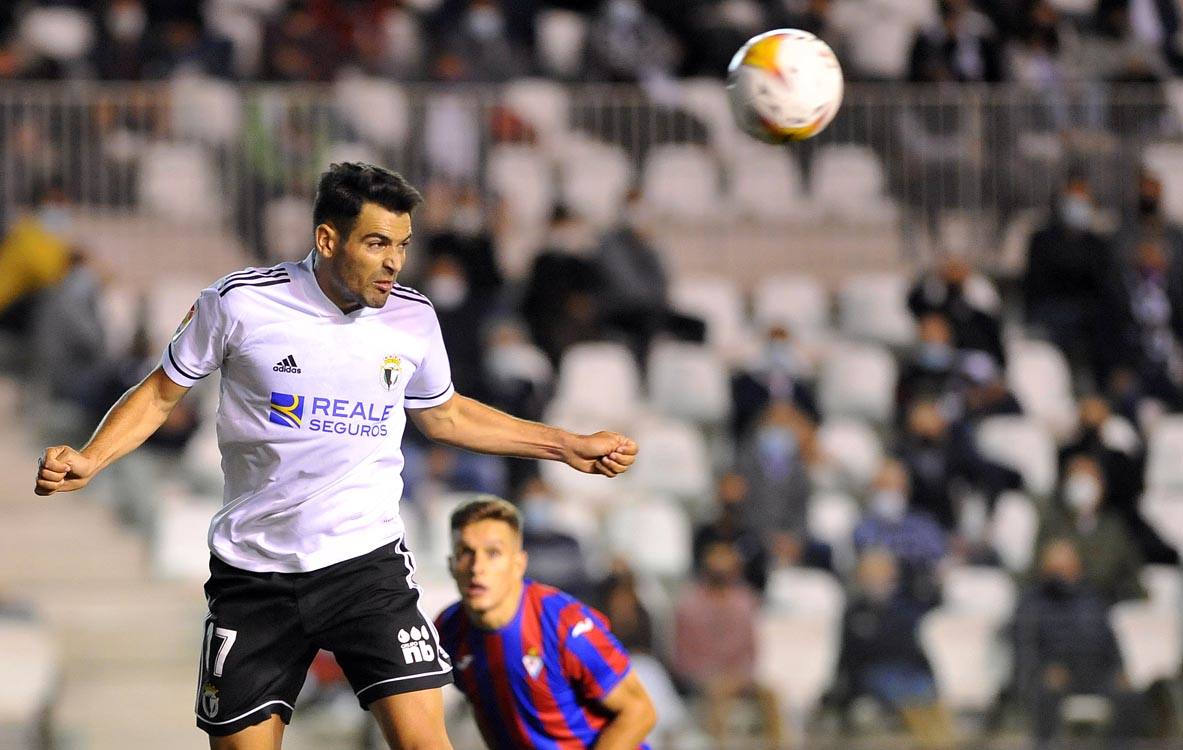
(427, 398)
(253, 282)
(180, 369)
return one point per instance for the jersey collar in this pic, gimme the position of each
(318, 297)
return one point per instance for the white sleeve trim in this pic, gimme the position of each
(426, 402)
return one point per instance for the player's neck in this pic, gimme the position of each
(323, 277)
(502, 614)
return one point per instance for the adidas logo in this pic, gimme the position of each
(415, 645)
(287, 364)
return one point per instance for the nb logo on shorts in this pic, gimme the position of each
(416, 645)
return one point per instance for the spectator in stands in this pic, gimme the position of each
(715, 642)
(962, 47)
(184, 45)
(555, 557)
(881, 655)
(1082, 516)
(1068, 265)
(297, 48)
(779, 376)
(732, 525)
(967, 299)
(1114, 443)
(1065, 646)
(121, 50)
(929, 372)
(1145, 219)
(34, 256)
(716, 29)
(466, 234)
(1117, 52)
(462, 308)
(986, 393)
(912, 536)
(479, 47)
(627, 44)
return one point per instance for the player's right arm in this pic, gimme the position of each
(134, 417)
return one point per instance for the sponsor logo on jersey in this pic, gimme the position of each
(287, 409)
(287, 364)
(532, 661)
(583, 626)
(392, 368)
(416, 645)
(185, 321)
(209, 700)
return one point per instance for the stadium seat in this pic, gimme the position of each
(969, 660)
(857, 380)
(979, 590)
(675, 461)
(59, 33)
(718, 301)
(765, 183)
(1163, 510)
(1164, 470)
(28, 671)
(689, 381)
(681, 182)
(201, 459)
(875, 306)
(799, 676)
(341, 151)
(594, 178)
(559, 37)
(545, 105)
(179, 549)
(653, 536)
(1038, 374)
(375, 108)
(1013, 530)
(599, 379)
(1166, 160)
(805, 591)
(589, 488)
(1164, 586)
(854, 448)
(522, 178)
(831, 518)
(169, 300)
(169, 170)
(287, 228)
(206, 109)
(452, 139)
(1023, 445)
(799, 302)
(243, 27)
(848, 183)
(1150, 640)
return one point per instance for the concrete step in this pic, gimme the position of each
(146, 706)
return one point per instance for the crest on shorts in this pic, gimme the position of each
(209, 700)
(392, 368)
(532, 661)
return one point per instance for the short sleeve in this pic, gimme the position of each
(593, 660)
(199, 345)
(431, 385)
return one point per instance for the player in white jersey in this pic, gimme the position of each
(319, 359)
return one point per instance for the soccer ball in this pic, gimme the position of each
(784, 85)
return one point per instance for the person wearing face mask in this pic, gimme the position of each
(881, 655)
(1069, 265)
(967, 300)
(1111, 561)
(780, 374)
(930, 370)
(1145, 218)
(1064, 645)
(715, 652)
(555, 556)
(732, 526)
(476, 46)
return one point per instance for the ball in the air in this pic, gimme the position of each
(784, 85)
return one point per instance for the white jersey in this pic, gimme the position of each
(310, 419)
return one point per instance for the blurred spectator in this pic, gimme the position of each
(731, 525)
(929, 371)
(1117, 52)
(121, 51)
(1145, 220)
(715, 642)
(779, 376)
(962, 47)
(716, 29)
(818, 18)
(1068, 266)
(626, 44)
(555, 557)
(69, 339)
(479, 48)
(466, 234)
(462, 309)
(912, 536)
(969, 302)
(184, 45)
(986, 393)
(297, 48)
(34, 256)
(1064, 646)
(621, 603)
(1113, 442)
(1082, 516)
(881, 655)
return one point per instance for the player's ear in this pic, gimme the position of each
(452, 567)
(521, 562)
(326, 240)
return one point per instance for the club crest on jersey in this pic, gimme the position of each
(532, 661)
(209, 700)
(392, 368)
(185, 321)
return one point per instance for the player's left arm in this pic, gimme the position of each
(632, 712)
(467, 423)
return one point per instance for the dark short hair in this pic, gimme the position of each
(486, 508)
(346, 186)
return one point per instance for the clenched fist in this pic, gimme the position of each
(63, 469)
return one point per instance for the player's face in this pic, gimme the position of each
(363, 267)
(488, 564)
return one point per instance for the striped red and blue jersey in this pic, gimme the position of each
(537, 682)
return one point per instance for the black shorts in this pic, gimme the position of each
(264, 629)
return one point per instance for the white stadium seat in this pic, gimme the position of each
(979, 590)
(452, 137)
(1166, 160)
(706, 99)
(521, 176)
(59, 33)
(831, 518)
(969, 660)
(28, 671)
(1164, 586)
(849, 184)
(1150, 640)
(855, 449)
(376, 108)
(179, 548)
(1163, 510)
(765, 183)
(206, 109)
(287, 228)
(594, 178)
(599, 379)
(170, 170)
(545, 105)
(805, 591)
(682, 182)
(654, 536)
(875, 306)
(799, 302)
(1013, 530)
(1038, 374)
(689, 381)
(559, 36)
(857, 381)
(1164, 470)
(675, 461)
(719, 302)
(799, 676)
(1023, 445)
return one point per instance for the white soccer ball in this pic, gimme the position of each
(784, 85)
